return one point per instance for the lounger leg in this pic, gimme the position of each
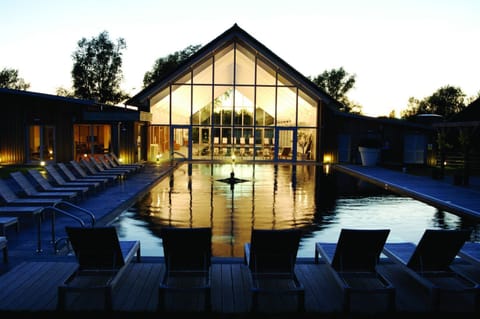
(301, 301)
(61, 298)
(208, 300)
(108, 299)
(5, 254)
(161, 300)
(254, 301)
(346, 300)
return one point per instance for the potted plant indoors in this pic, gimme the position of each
(369, 148)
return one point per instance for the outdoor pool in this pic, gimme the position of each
(275, 197)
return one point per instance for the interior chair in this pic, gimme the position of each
(271, 256)
(353, 261)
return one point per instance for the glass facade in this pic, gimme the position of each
(233, 103)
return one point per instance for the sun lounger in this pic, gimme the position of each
(101, 258)
(430, 264)
(94, 183)
(471, 252)
(94, 172)
(271, 256)
(81, 171)
(45, 185)
(115, 160)
(353, 261)
(32, 192)
(187, 253)
(10, 198)
(4, 248)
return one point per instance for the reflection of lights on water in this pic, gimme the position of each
(326, 168)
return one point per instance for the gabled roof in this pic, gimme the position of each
(235, 33)
(470, 113)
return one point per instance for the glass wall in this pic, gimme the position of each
(237, 104)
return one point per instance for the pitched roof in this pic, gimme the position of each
(235, 33)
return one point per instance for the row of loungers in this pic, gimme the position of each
(60, 186)
(270, 257)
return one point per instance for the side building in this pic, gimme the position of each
(37, 127)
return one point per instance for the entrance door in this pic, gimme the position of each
(180, 139)
(285, 144)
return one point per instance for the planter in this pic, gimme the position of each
(369, 155)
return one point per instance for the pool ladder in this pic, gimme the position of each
(74, 212)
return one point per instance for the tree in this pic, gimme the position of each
(97, 70)
(61, 91)
(337, 83)
(9, 79)
(446, 101)
(165, 65)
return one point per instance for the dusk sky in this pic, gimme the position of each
(396, 49)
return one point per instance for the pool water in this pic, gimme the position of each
(274, 197)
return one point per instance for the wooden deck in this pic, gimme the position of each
(32, 287)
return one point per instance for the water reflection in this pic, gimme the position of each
(273, 197)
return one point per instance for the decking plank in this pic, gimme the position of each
(32, 286)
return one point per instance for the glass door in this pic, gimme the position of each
(180, 139)
(285, 143)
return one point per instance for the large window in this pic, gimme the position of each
(91, 139)
(235, 100)
(41, 143)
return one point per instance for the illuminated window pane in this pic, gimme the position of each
(265, 108)
(307, 110)
(202, 104)
(181, 102)
(282, 81)
(160, 107)
(286, 106)
(224, 66)
(203, 73)
(265, 74)
(245, 66)
(185, 79)
(244, 105)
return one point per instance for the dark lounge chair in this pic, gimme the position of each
(84, 174)
(4, 248)
(92, 171)
(187, 253)
(29, 189)
(72, 179)
(10, 198)
(430, 264)
(45, 185)
(115, 161)
(271, 256)
(101, 258)
(471, 251)
(353, 261)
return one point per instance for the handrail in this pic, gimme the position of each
(58, 210)
(181, 154)
(81, 209)
(67, 209)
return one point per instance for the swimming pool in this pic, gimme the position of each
(274, 197)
